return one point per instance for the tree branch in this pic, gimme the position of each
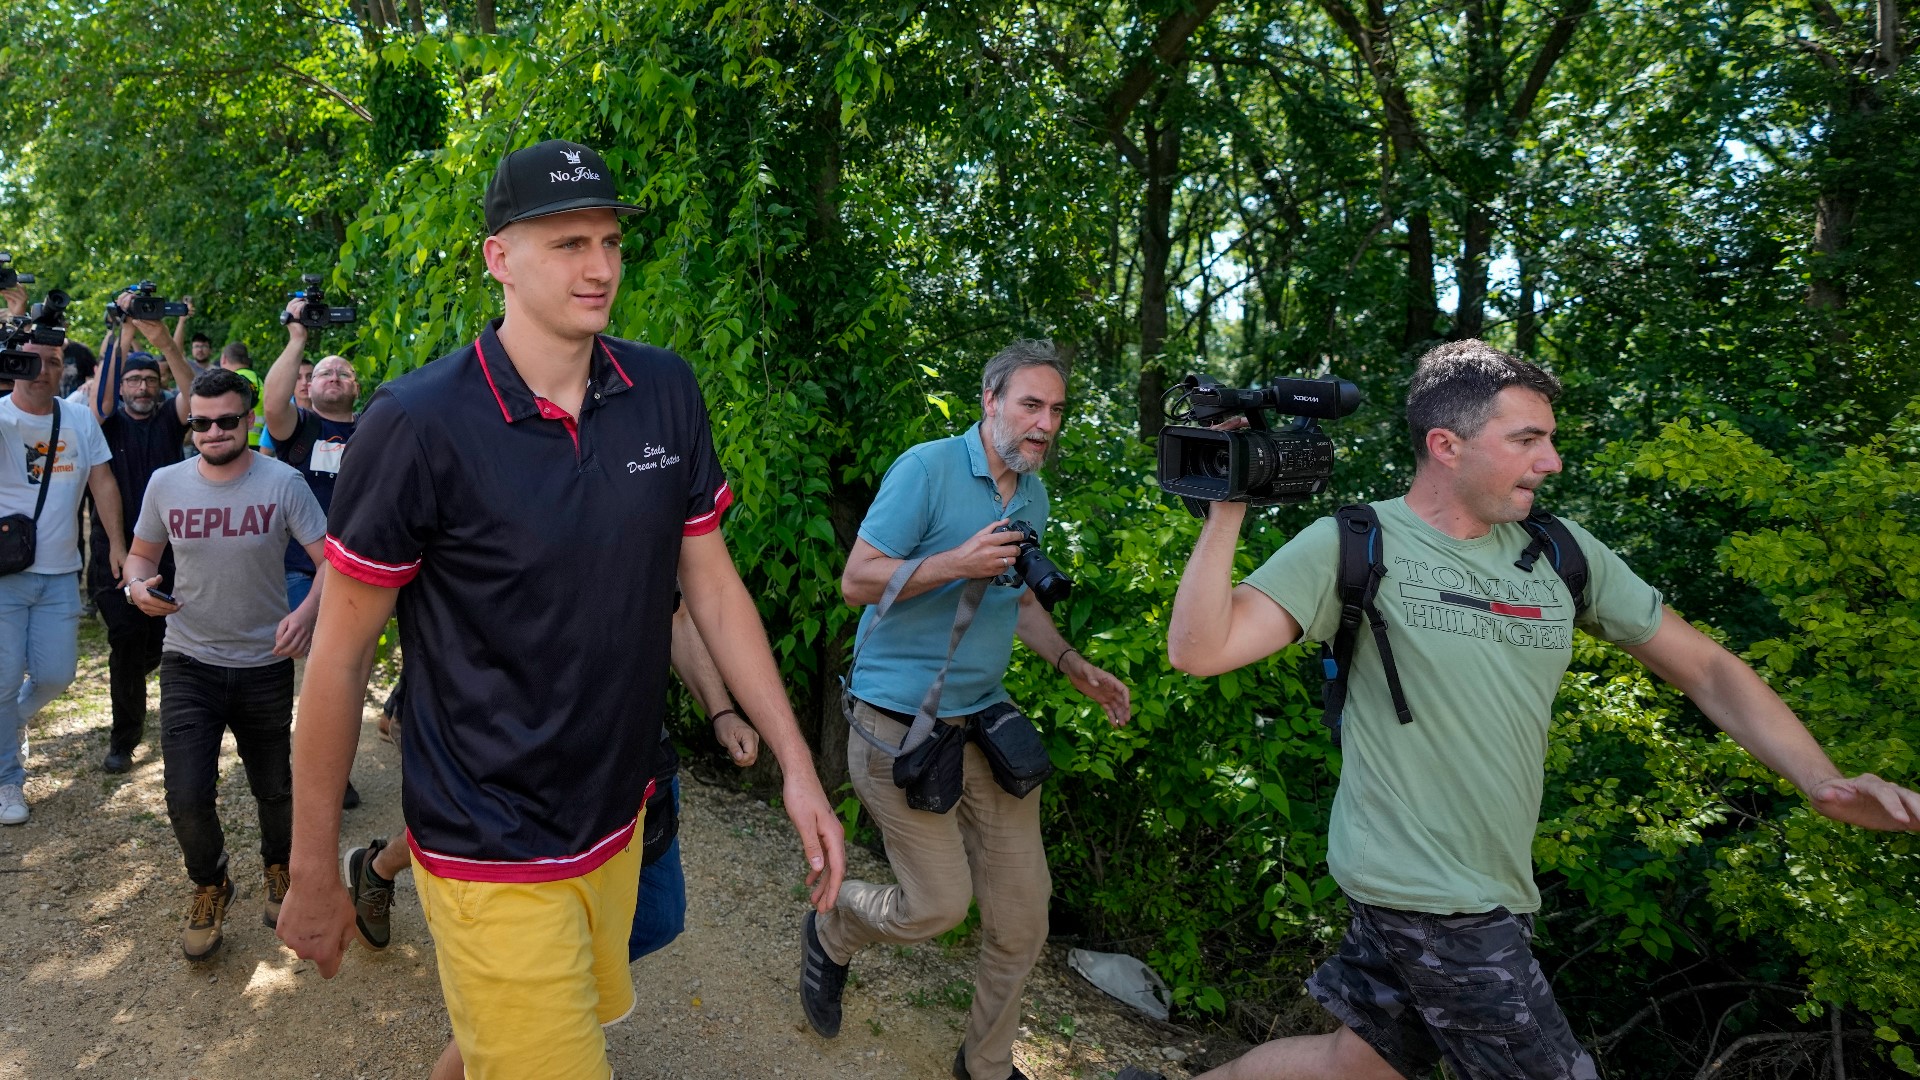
(325, 89)
(1653, 1007)
(1169, 46)
(1550, 52)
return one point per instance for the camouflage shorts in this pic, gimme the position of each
(1421, 987)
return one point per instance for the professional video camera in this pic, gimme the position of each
(1253, 465)
(145, 306)
(9, 277)
(1032, 566)
(315, 314)
(46, 325)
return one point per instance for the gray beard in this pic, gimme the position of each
(1012, 452)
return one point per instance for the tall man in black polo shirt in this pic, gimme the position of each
(145, 429)
(528, 502)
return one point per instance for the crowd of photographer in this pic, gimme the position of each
(541, 511)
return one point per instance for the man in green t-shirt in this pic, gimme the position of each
(1432, 829)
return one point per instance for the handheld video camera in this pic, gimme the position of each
(145, 305)
(9, 277)
(315, 314)
(1254, 465)
(45, 325)
(1032, 566)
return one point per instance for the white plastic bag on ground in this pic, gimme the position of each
(1123, 977)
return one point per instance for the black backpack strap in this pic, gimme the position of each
(299, 450)
(1361, 570)
(1552, 538)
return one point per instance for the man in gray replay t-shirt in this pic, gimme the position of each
(228, 514)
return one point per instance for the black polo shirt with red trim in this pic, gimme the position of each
(536, 557)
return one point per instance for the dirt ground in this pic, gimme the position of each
(92, 982)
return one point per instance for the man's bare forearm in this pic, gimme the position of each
(1197, 625)
(866, 583)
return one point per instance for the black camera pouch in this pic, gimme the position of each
(931, 775)
(661, 826)
(19, 534)
(1012, 747)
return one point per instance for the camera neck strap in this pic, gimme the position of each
(46, 471)
(923, 720)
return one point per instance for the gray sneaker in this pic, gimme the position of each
(201, 938)
(372, 895)
(13, 805)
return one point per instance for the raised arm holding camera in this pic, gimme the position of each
(950, 546)
(313, 440)
(144, 428)
(1445, 732)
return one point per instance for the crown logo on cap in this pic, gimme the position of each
(572, 156)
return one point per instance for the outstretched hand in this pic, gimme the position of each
(1869, 802)
(821, 835)
(1110, 692)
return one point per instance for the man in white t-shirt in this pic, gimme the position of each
(40, 606)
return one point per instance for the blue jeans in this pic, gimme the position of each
(298, 586)
(39, 647)
(660, 912)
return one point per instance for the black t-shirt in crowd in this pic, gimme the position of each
(140, 449)
(321, 466)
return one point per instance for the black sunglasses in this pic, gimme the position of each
(227, 423)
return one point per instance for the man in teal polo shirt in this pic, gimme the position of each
(942, 502)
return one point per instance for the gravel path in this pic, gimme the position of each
(92, 982)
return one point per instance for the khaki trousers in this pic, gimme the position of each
(987, 848)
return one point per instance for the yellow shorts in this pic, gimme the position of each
(531, 971)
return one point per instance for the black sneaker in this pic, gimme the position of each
(117, 761)
(821, 982)
(372, 895)
(960, 1067)
(350, 798)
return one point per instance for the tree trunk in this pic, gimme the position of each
(1525, 330)
(1832, 226)
(416, 17)
(483, 15)
(1162, 152)
(1423, 310)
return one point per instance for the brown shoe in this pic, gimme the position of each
(276, 892)
(201, 938)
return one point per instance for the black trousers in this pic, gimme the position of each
(198, 703)
(133, 652)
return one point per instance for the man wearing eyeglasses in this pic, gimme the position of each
(314, 439)
(226, 664)
(144, 427)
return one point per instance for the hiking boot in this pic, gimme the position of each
(201, 938)
(276, 893)
(13, 805)
(821, 982)
(372, 895)
(117, 761)
(960, 1067)
(349, 798)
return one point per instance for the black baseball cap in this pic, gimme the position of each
(552, 178)
(140, 361)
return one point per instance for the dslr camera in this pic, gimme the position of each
(1032, 566)
(1256, 465)
(314, 313)
(45, 325)
(9, 277)
(145, 305)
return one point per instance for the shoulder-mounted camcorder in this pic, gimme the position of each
(1255, 465)
(46, 324)
(146, 305)
(314, 314)
(9, 277)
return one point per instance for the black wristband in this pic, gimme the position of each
(1063, 658)
(715, 718)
